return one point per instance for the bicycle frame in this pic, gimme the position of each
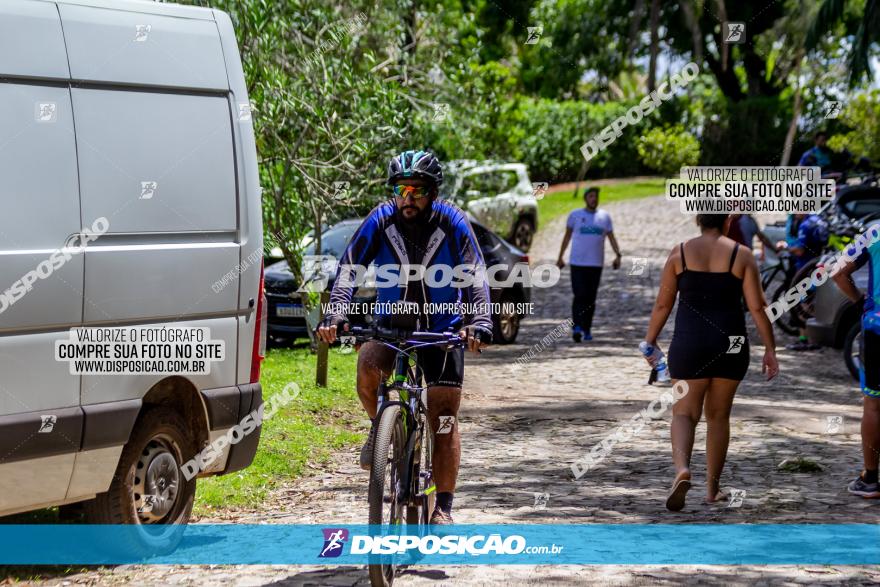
(405, 380)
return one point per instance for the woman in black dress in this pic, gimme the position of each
(710, 275)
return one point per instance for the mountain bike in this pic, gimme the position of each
(842, 233)
(852, 350)
(776, 279)
(401, 489)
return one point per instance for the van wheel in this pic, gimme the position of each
(149, 489)
(523, 233)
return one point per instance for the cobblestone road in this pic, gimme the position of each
(523, 427)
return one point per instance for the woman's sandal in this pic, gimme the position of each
(675, 501)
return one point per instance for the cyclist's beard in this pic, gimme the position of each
(419, 218)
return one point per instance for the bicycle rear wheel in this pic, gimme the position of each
(852, 350)
(783, 322)
(388, 459)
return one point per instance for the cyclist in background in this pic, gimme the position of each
(743, 228)
(866, 484)
(819, 155)
(805, 237)
(807, 234)
(417, 228)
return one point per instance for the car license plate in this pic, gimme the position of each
(290, 311)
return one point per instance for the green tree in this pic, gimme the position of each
(861, 20)
(860, 116)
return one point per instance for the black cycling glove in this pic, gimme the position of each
(480, 333)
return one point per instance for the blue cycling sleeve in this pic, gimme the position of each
(477, 294)
(361, 251)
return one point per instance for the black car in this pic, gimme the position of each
(287, 314)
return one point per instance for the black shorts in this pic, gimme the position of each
(439, 367)
(870, 372)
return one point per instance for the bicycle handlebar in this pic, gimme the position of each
(364, 334)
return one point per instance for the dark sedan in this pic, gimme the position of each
(287, 314)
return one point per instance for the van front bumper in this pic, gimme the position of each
(227, 407)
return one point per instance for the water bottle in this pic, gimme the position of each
(660, 367)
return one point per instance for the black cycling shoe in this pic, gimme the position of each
(862, 488)
(577, 334)
(802, 345)
(441, 518)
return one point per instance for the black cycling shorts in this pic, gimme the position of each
(870, 374)
(439, 367)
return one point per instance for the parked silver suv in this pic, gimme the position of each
(499, 195)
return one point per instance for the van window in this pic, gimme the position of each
(154, 162)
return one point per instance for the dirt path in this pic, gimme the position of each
(523, 427)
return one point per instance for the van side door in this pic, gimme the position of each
(41, 280)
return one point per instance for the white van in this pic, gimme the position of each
(131, 116)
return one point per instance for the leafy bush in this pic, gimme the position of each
(549, 135)
(668, 149)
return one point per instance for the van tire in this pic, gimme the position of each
(160, 432)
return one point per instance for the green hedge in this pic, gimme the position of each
(549, 134)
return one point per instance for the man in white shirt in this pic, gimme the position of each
(587, 229)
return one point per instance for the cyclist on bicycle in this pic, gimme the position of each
(867, 483)
(417, 228)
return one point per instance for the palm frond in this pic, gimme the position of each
(829, 14)
(859, 58)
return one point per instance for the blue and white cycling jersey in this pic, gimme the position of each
(871, 255)
(446, 239)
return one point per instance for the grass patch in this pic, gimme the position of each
(799, 465)
(305, 431)
(561, 203)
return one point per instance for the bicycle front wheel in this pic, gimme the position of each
(384, 491)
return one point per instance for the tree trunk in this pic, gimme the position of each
(635, 24)
(311, 301)
(723, 47)
(693, 26)
(655, 45)
(796, 113)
